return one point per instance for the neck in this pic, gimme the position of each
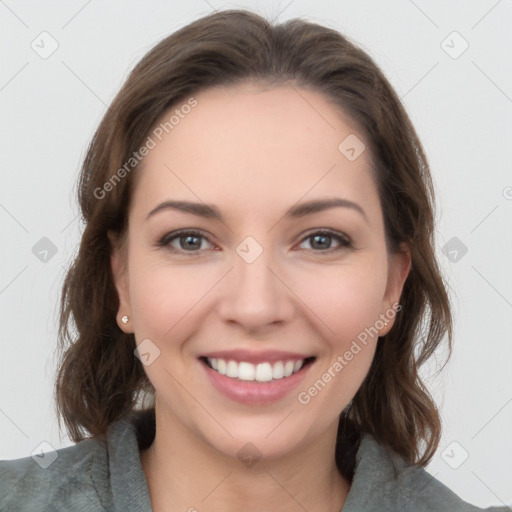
(186, 473)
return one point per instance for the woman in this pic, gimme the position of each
(255, 291)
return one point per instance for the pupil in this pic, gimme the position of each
(324, 241)
(191, 242)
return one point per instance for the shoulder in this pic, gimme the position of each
(97, 474)
(383, 481)
(68, 478)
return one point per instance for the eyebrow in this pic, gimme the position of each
(209, 211)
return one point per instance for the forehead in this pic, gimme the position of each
(248, 145)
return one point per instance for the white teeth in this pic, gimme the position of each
(221, 366)
(246, 371)
(288, 368)
(232, 369)
(278, 370)
(262, 372)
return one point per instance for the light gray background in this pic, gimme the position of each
(461, 108)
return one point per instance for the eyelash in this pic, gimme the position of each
(344, 241)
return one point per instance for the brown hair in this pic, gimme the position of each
(100, 380)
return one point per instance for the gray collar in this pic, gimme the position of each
(382, 481)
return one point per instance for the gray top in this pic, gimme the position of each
(106, 475)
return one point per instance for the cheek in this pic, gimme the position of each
(161, 296)
(347, 299)
(348, 302)
(167, 305)
(167, 299)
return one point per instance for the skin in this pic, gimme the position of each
(253, 152)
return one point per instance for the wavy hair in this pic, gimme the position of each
(99, 380)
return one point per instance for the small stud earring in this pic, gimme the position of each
(124, 319)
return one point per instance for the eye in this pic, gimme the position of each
(184, 241)
(191, 241)
(321, 241)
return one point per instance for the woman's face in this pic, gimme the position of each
(263, 279)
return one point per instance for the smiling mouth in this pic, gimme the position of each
(261, 372)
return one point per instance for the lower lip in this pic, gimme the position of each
(253, 392)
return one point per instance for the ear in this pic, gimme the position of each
(398, 270)
(118, 264)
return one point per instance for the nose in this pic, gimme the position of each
(254, 295)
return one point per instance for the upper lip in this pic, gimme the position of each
(253, 357)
